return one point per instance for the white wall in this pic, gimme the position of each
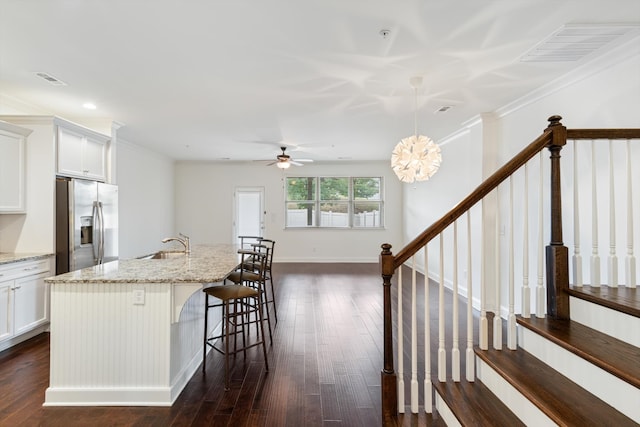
(146, 199)
(204, 209)
(34, 231)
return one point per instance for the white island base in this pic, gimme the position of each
(124, 344)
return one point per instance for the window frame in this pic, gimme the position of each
(351, 203)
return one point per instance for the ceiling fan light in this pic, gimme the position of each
(283, 165)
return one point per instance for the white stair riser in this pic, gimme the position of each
(517, 403)
(614, 323)
(609, 388)
(445, 412)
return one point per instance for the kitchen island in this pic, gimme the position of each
(130, 332)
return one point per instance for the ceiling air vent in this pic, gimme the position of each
(572, 42)
(52, 80)
(442, 109)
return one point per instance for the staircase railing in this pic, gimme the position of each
(554, 265)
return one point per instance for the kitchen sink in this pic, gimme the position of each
(168, 255)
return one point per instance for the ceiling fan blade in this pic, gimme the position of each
(304, 160)
(271, 163)
(293, 162)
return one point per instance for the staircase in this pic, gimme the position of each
(572, 360)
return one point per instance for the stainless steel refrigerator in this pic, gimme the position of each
(86, 224)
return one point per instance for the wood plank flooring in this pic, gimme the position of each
(324, 366)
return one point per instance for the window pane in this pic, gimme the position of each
(301, 215)
(334, 188)
(367, 214)
(334, 214)
(301, 188)
(366, 188)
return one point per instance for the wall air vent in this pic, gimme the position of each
(572, 42)
(52, 80)
(442, 109)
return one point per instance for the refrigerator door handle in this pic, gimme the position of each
(101, 260)
(95, 245)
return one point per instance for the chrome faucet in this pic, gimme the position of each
(182, 239)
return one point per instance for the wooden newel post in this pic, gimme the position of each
(389, 383)
(557, 255)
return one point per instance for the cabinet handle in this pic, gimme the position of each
(30, 268)
(86, 172)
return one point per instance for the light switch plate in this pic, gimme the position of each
(138, 297)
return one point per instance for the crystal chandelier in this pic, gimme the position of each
(415, 158)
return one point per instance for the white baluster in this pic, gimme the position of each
(483, 326)
(497, 320)
(414, 340)
(595, 258)
(540, 294)
(442, 354)
(612, 270)
(400, 346)
(470, 371)
(455, 351)
(577, 257)
(511, 319)
(630, 263)
(428, 402)
(526, 291)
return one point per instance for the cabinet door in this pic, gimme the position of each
(6, 309)
(93, 159)
(70, 152)
(30, 307)
(12, 161)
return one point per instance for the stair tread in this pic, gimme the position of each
(562, 400)
(621, 298)
(611, 354)
(475, 405)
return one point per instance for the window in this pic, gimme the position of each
(336, 202)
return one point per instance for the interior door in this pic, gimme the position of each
(249, 212)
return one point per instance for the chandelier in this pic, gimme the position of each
(415, 158)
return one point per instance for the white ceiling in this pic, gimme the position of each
(229, 79)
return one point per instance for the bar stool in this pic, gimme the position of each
(252, 272)
(270, 244)
(239, 304)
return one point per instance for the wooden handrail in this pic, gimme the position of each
(603, 133)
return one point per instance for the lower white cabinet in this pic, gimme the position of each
(24, 298)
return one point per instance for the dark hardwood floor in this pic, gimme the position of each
(324, 366)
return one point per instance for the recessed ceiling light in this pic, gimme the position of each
(89, 105)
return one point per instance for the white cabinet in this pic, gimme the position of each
(13, 140)
(24, 298)
(82, 154)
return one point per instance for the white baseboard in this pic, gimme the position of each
(23, 337)
(120, 396)
(365, 260)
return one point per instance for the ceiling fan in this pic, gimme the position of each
(284, 161)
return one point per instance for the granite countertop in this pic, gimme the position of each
(205, 264)
(10, 257)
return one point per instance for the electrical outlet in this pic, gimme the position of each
(138, 297)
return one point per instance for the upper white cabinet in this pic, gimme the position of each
(81, 153)
(13, 141)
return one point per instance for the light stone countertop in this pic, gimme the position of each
(10, 257)
(205, 264)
